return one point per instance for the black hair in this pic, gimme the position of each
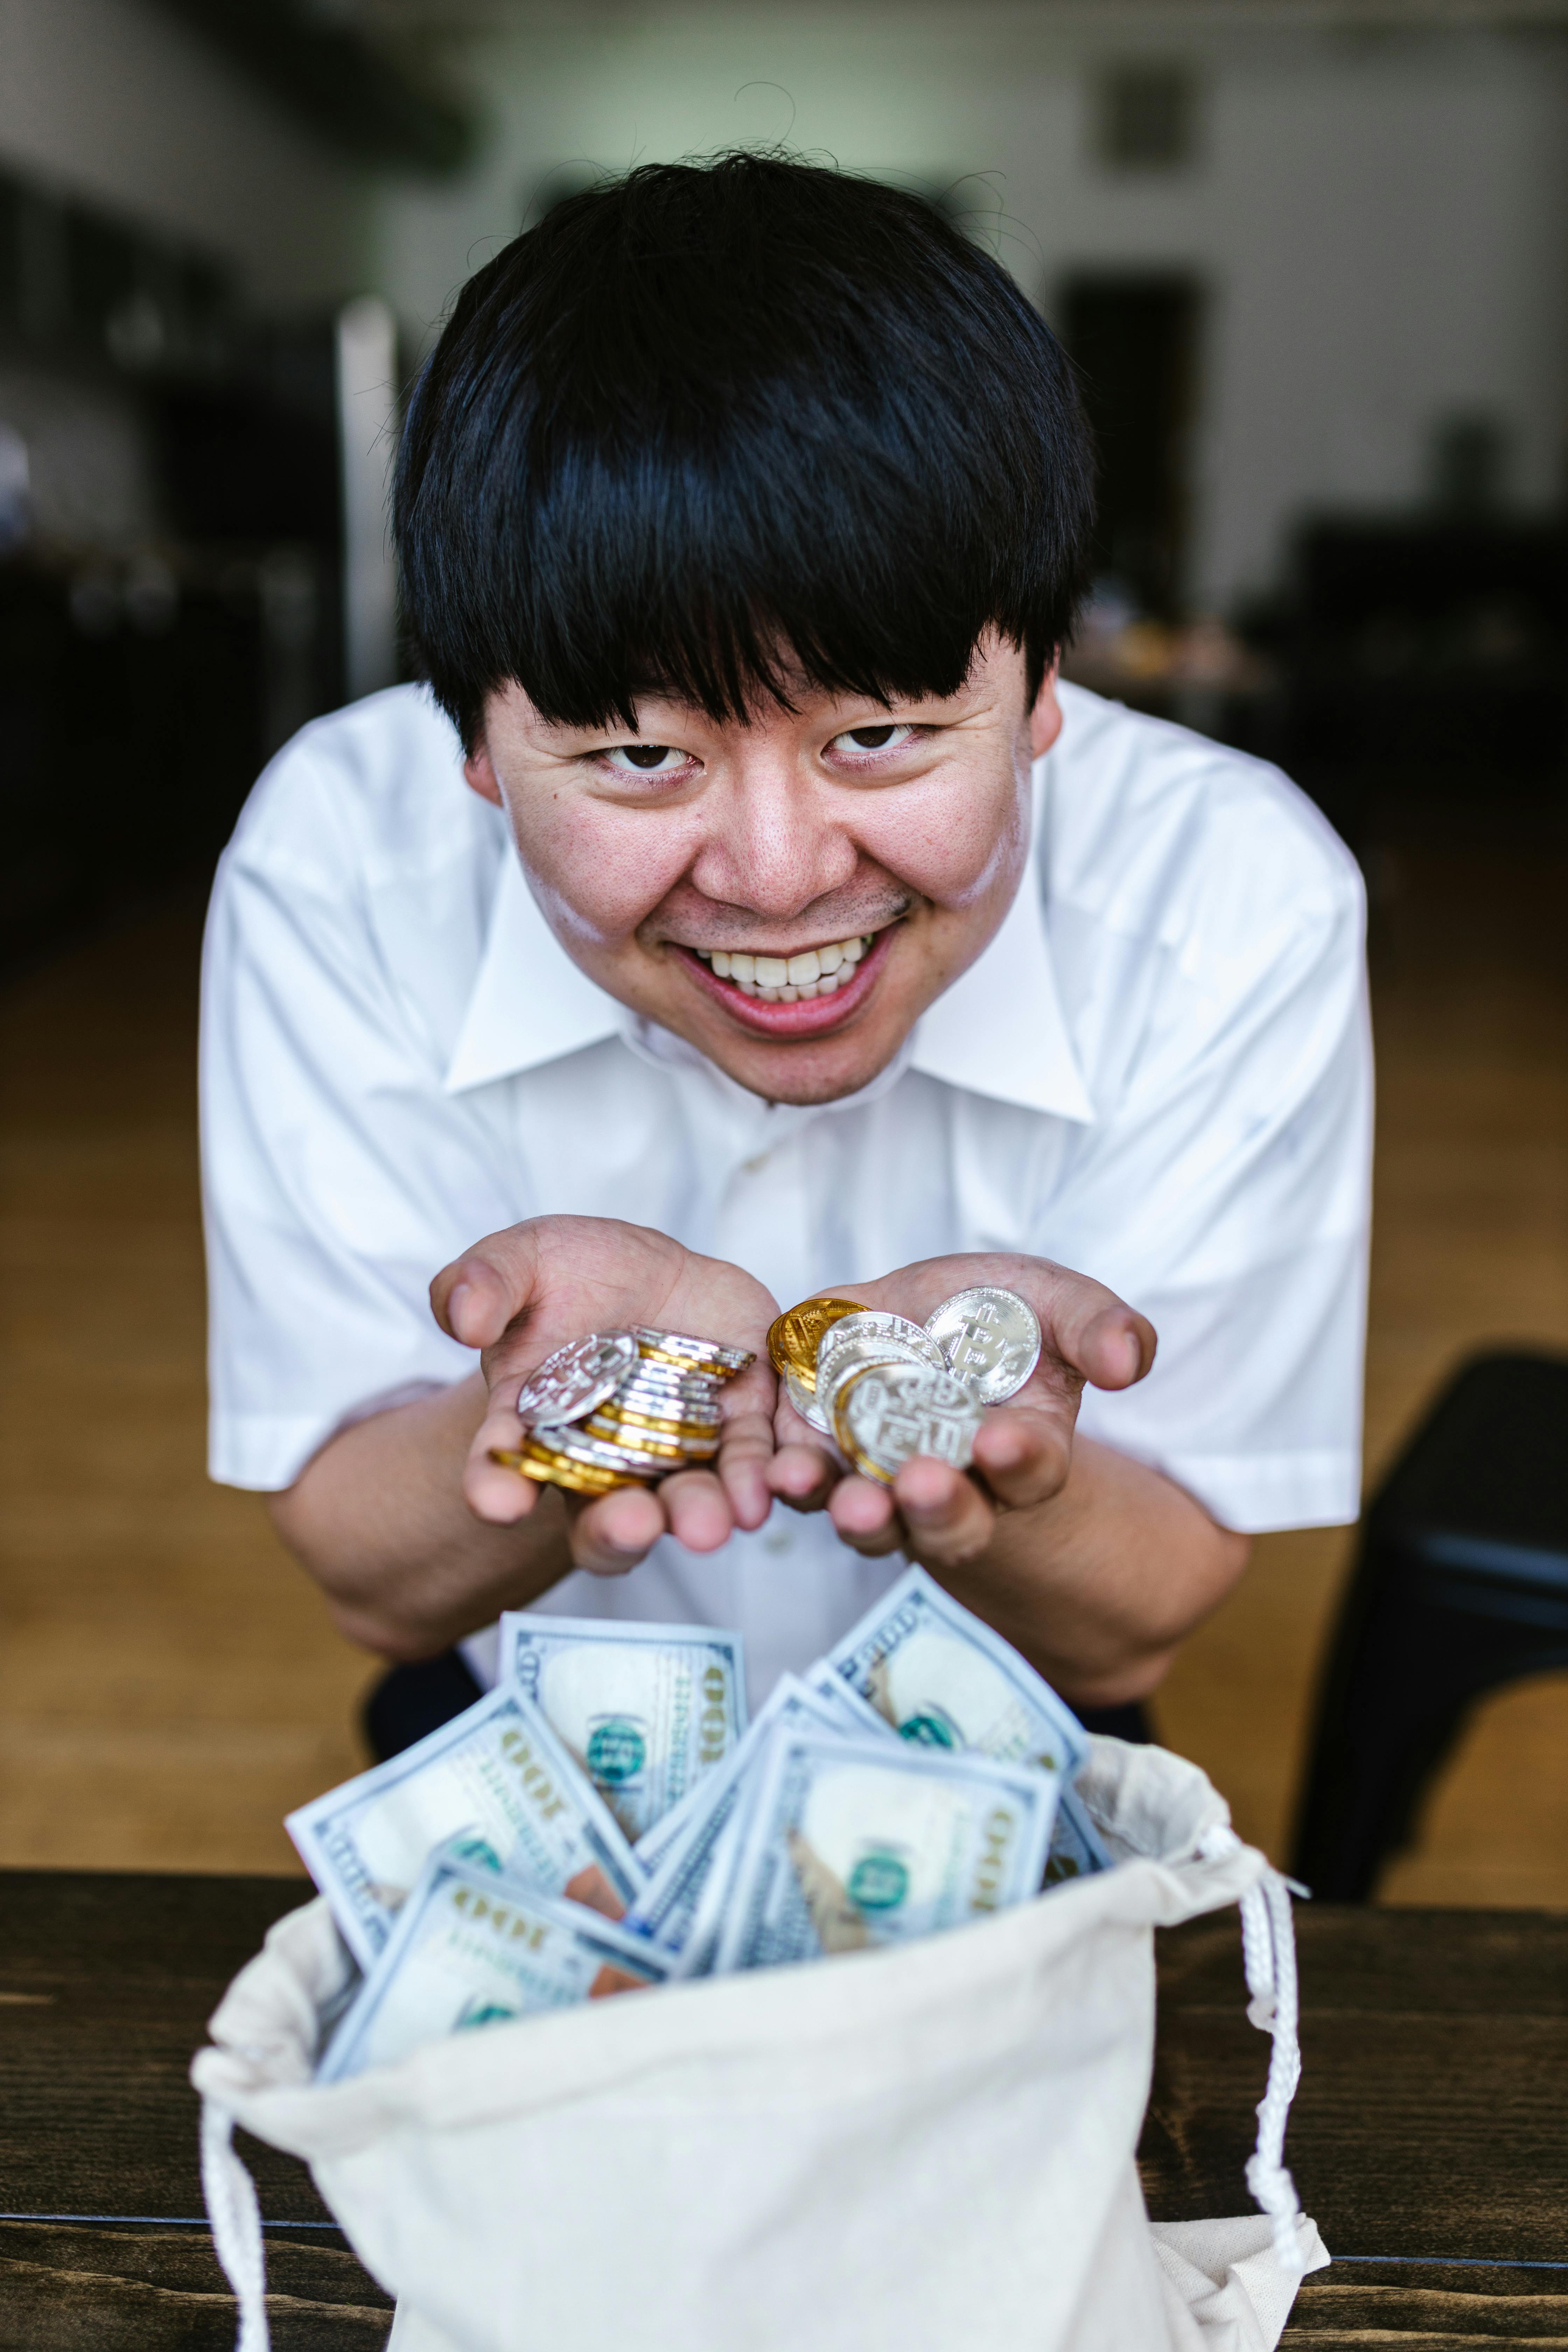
(712, 426)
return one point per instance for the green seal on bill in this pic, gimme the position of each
(930, 1728)
(617, 1752)
(879, 1882)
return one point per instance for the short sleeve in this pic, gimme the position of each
(1231, 1196)
(337, 1177)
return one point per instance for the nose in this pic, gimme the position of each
(773, 844)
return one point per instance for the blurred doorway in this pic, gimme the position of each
(1135, 341)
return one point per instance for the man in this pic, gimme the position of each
(744, 910)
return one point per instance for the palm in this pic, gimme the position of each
(522, 1294)
(1023, 1451)
(595, 1274)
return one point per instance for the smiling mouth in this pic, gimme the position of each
(793, 997)
(786, 980)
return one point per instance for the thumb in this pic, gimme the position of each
(1115, 1348)
(475, 1297)
(1094, 1333)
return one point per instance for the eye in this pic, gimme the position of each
(645, 758)
(889, 735)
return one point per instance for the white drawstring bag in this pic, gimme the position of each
(922, 2149)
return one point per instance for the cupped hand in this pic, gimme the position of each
(519, 1295)
(1023, 1453)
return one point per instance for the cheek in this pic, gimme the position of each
(957, 847)
(596, 871)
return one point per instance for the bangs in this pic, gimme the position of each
(714, 434)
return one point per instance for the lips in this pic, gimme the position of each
(808, 1017)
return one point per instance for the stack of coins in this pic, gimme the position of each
(622, 1409)
(932, 1381)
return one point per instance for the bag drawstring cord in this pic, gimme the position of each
(236, 2218)
(1268, 1953)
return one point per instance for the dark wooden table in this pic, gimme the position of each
(1427, 2138)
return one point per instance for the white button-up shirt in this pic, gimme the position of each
(1158, 1072)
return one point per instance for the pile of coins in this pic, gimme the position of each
(885, 1388)
(622, 1409)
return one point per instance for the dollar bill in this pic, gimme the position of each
(497, 1781)
(1077, 1850)
(943, 1679)
(850, 1843)
(694, 1857)
(473, 1949)
(647, 1711)
(852, 1712)
(939, 1676)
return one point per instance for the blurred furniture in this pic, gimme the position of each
(1428, 657)
(1461, 1585)
(194, 557)
(1426, 2137)
(1133, 337)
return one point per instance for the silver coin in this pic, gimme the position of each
(855, 1358)
(601, 1453)
(709, 1352)
(576, 1378)
(871, 1323)
(990, 1340)
(692, 1397)
(890, 1412)
(668, 1415)
(808, 1406)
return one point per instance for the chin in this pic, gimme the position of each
(821, 1072)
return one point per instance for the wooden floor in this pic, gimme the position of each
(169, 1685)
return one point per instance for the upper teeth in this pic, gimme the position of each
(780, 979)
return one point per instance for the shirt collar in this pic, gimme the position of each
(998, 1031)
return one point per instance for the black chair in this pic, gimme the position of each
(1461, 1584)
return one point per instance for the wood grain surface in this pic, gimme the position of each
(1427, 2137)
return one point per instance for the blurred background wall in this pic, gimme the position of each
(1363, 221)
(1311, 258)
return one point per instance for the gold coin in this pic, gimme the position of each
(795, 1338)
(642, 1442)
(554, 1470)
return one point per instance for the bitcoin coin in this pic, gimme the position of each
(547, 1467)
(795, 1336)
(806, 1404)
(668, 1448)
(701, 1355)
(576, 1378)
(989, 1339)
(873, 1323)
(657, 1424)
(886, 1413)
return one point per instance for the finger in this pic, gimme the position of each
(946, 1518)
(698, 1509)
(864, 1516)
(1023, 1455)
(474, 1297)
(744, 1460)
(802, 1475)
(611, 1533)
(1089, 1330)
(496, 1493)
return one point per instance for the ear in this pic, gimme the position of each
(1045, 719)
(480, 773)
